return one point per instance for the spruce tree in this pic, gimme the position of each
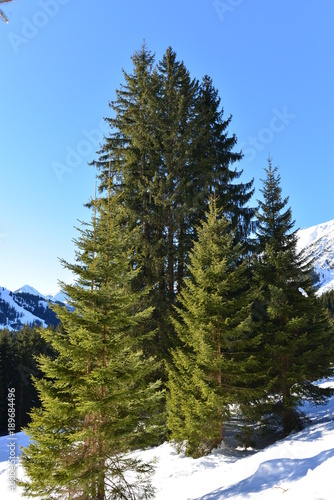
(213, 367)
(96, 403)
(327, 300)
(215, 160)
(133, 151)
(169, 149)
(297, 335)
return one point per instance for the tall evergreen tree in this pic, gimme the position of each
(213, 367)
(297, 335)
(169, 149)
(133, 151)
(96, 403)
(215, 158)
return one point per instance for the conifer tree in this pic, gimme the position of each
(133, 151)
(297, 335)
(215, 157)
(169, 149)
(327, 300)
(213, 367)
(96, 403)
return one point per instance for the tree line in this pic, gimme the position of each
(327, 300)
(187, 303)
(18, 365)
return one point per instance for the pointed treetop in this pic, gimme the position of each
(275, 223)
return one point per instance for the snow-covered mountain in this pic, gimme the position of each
(26, 306)
(56, 297)
(29, 289)
(318, 243)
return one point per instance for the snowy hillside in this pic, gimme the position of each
(26, 306)
(299, 467)
(318, 241)
(14, 315)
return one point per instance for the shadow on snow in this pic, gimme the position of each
(269, 474)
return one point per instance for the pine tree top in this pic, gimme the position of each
(275, 223)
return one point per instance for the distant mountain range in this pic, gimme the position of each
(28, 306)
(58, 297)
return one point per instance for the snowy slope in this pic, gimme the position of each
(318, 242)
(27, 306)
(16, 314)
(300, 467)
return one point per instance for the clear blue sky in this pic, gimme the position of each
(61, 61)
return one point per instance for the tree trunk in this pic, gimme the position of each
(288, 412)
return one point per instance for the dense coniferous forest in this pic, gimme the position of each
(18, 351)
(327, 299)
(169, 150)
(178, 316)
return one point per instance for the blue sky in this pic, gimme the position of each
(61, 62)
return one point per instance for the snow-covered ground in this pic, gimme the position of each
(299, 467)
